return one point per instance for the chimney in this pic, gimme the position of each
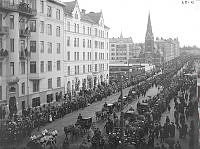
(83, 11)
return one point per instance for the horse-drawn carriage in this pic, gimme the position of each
(105, 112)
(142, 107)
(79, 128)
(43, 140)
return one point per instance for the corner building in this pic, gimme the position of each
(86, 48)
(31, 42)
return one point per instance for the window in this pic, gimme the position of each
(68, 70)
(95, 55)
(95, 67)
(75, 27)
(41, 6)
(68, 26)
(22, 43)
(0, 93)
(88, 56)
(74, 42)
(83, 29)
(83, 43)
(42, 46)
(49, 45)
(49, 11)
(83, 55)
(33, 26)
(49, 65)
(88, 44)
(77, 55)
(42, 66)
(12, 45)
(23, 88)
(1, 68)
(12, 68)
(41, 26)
(68, 41)
(74, 55)
(58, 48)
(12, 22)
(58, 65)
(68, 55)
(22, 67)
(88, 30)
(83, 68)
(88, 68)
(77, 40)
(96, 44)
(58, 82)
(58, 31)
(32, 67)
(58, 14)
(35, 85)
(95, 31)
(36, 102)
(49, 29)
(76, 15)
(50, 83)
(33, 46)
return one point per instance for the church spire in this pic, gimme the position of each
(149, 27)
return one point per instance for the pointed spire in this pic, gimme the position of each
(149, 27)
(121, 36)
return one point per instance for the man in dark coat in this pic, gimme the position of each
(172, 129)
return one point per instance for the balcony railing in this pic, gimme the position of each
(4, 30)
(22, 7)
(24, 32)
(3, 53)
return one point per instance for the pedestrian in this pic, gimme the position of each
(177, 145)
(65, 144)
(162, 135)
(172, 130)
(169, 107)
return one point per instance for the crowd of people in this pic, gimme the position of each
(177, 86)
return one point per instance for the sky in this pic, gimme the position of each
(169, 18)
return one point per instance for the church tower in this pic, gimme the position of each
(149, 42)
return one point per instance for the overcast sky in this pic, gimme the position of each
(169, 18)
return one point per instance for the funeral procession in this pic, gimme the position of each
(99, 74)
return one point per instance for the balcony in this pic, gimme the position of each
(3, 54)
(4, 30)
(12, 79)
(24, 32)
(22, 8)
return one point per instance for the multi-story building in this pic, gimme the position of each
(32, 45)
(168, 48)
(121, 49)
(86, 48)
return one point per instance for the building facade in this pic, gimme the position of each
(48, 48)
(168, 48)
(86, 48)
(121, 49)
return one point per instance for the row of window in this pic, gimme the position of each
(49, 10)
(33, 67)
(85, 30)
(36, 85)
(86, 70)
(89, 56)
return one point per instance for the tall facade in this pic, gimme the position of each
(121, 49)
(168, 48)
(86, 48)
(48, 48)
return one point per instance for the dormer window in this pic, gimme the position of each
(76, 15)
